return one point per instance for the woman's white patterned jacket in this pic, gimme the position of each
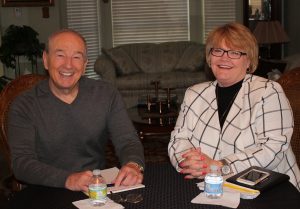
(257, 130)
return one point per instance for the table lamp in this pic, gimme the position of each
(270, 32)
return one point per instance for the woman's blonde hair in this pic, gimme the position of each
(236, 36)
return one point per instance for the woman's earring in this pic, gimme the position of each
(248, 70)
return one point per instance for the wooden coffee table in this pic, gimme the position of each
(152, 123)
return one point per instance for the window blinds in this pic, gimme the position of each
(217, 13)
(83, 16)
(155, 21)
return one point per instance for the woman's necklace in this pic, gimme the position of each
(225, 98)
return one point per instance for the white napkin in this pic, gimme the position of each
(109, 175)
(85, 204)
(231, 200)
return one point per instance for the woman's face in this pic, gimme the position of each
(228, 71)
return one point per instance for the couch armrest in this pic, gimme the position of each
(105, 68)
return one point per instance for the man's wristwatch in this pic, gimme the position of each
(225, 169)
(141, 168)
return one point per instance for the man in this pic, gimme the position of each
(59, 129)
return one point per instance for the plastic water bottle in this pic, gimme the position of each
(213, 183)
(98, 189)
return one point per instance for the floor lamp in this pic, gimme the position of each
(270, 32)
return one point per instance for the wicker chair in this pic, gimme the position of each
(290, 82)
(7, 95)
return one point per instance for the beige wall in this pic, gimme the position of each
(196, 20)
(31, 16)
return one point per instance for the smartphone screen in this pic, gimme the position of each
(253, 177)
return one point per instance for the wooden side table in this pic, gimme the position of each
(152, 124)
(154, 131)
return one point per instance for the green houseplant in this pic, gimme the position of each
(20, 41)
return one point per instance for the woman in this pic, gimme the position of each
(237, 121)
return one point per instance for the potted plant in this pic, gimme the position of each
(20, 41)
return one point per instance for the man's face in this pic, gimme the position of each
(65, 61)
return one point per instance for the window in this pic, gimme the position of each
(155, 21)
(83, 16)
(217, 13)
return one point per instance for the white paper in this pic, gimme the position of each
(109, 175)
(85, 204)
(123, 188)
(231, 200)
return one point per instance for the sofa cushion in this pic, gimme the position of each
(147, 56)
(148, 59)
(176, 79)
(169, 53)
(105, 68)
(192, 59)
(156, 58)
(124, 63)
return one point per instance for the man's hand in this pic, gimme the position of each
(79, 181)
(196, 164)
(129, 175)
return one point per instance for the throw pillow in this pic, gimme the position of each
(125, 65)
(192, 58)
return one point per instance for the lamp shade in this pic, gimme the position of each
(270, 32)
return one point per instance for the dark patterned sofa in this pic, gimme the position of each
(132, 67)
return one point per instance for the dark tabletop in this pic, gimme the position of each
(165, 188)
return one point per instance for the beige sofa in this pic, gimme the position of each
(132, 68)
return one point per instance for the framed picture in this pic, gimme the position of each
(27, 3)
